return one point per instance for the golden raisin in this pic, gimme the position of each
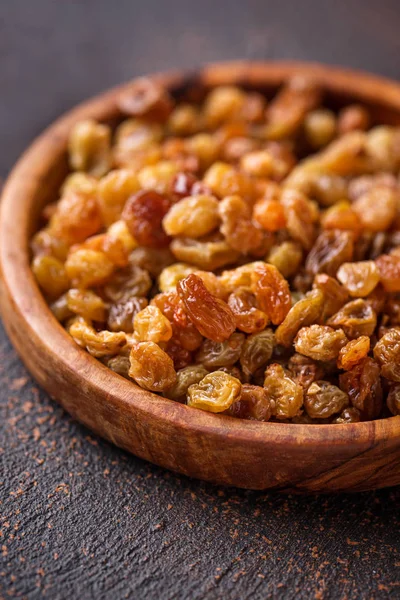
(151, 367)
(215, 393)
(272, 292)
(320, 342)
(353, 352)
(51, 275)
(286, 394)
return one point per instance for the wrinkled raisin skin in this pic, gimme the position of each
(143, 213)
(212, 316)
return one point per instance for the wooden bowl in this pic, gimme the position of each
(216, 448)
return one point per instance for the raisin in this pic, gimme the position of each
(304, 370)
(89, 147)
(389, 271)
(353, 117)
(359, 278)
(114, 189)
(120, 316)
(300, 217)
(377, 208)
(387, 354)
(393, 400)
(257, 351)
(286, 394)
(184, 379)
(216, 392)
(120, 365)
(150, 325)
(87, 304)
(224, 180)
(127, 283)
(153, 260)
(269, 214)
(356, 318)
(254, 404)
(151, 367)
(335, 295)
(341, 216)
(51, 275)
(320, 342)
(289, 107)
(363, 386)
(331, 249)
(304, 312)
(348, 415)
(147, 99)
(180, 355)
(144, 213)
(195, 216)
(320, 127)
(248, 318)
(287, 258)
(322, 400)
(97, 343)
(187, 184)
(272, 292)
(353, 353)
(238, 229)
(86, 268)
(206, 254)
(212, 316)
(77, 217)
(220, 354)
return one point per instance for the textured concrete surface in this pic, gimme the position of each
(82, 519)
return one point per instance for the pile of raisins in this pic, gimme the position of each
(240, 255)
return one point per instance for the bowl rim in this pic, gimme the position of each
(18, 283)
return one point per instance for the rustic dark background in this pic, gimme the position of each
(81, 519)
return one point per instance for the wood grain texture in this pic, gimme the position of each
(305, 458)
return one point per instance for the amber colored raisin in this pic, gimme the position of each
(120, 316)
(87, 268)
(257, 351)
(300, 217)
(239, 230)
(45, 243)
(363, 386)
(377, 208)
(220, 354)
(353, 353)
(215, 393)
(359, 278)
(331, 249)
(303, 313)
(180, 355)
(289, 107)
(389, 271)
(269, 214)
(353, 117)
(143, 213)
(76, 218)
(209, 254)
(342, 216)
(254, 404)
(170, 276)
(193, 216)
(97, 343)
(335, 295)
(272, 292)
(393, 399)
(87, 304)
(89, 147)
(320, 342)
(51, 275)
(212, 316)
(322, 400)
(239, 277)
(223, 103)
(225, 180)
(305, 370)
(114, 189)
(151, 367)
(248, 318)
(150, 325)
(185, 377)
(147, 99)
(356, 318)
(185, 332)
(286, 394)
(387, 354)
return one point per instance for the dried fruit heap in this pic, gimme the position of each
(239, 255)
